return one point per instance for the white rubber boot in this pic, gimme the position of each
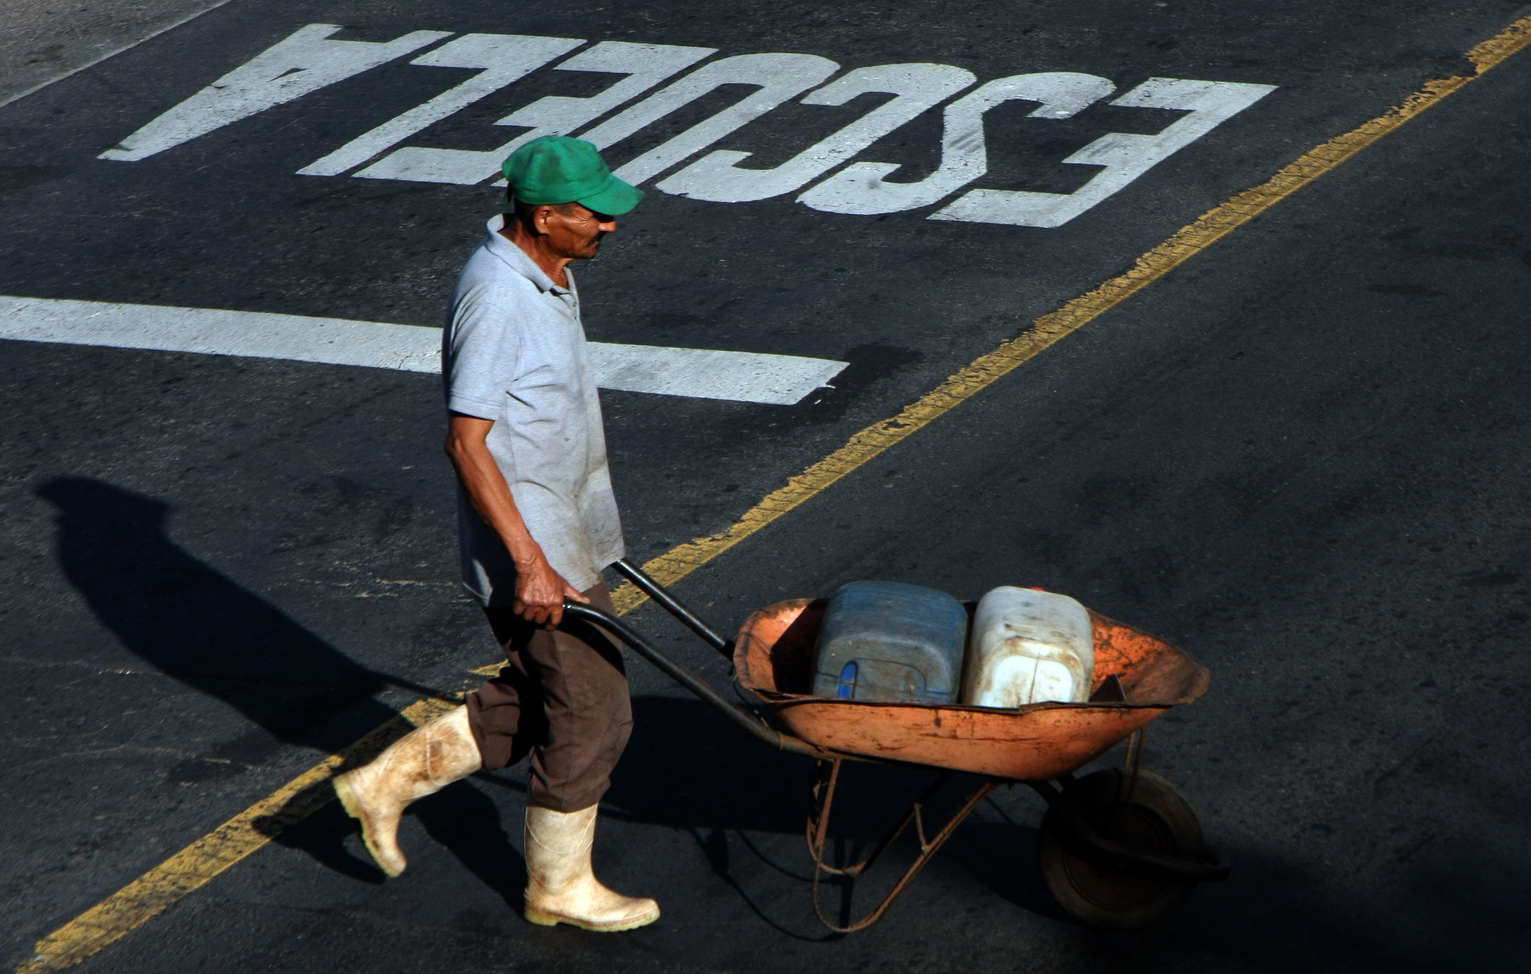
(562, 888)
(420, 763)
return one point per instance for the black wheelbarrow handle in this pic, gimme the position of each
(689, 680)
(651, 587)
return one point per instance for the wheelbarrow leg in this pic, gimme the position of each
(818, 834)
(818, 819)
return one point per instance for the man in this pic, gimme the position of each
(537, 523)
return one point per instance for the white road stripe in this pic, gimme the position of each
(501, 59)
(693, 372)
(704, 373)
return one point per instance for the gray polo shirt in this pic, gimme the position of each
(514, 352)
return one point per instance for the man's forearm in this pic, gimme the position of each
(491, 498)
(540, 590)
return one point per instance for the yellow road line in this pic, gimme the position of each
(1049, 329)
(197, 864)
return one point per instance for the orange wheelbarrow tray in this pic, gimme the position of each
(1137, 678)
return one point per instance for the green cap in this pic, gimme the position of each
(557, 169)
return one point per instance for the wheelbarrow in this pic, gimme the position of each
(1116, 848)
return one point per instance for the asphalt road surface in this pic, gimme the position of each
(1301, 457)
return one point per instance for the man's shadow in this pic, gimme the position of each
(190, 622)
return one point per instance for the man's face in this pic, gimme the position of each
(575, 230)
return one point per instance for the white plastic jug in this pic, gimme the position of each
(1028, 646)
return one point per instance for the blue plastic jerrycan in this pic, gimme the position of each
(889, 641)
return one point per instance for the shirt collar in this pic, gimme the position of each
(518, 260)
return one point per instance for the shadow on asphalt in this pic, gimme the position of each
(191, 622)
(1279, 916)
(476, 830)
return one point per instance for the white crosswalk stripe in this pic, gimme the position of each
(692, 372)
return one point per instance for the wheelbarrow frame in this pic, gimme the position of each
(1084, 839)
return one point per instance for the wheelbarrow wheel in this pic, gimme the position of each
(1105, 894)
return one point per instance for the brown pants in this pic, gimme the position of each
(562, 698)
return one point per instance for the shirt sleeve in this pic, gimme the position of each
(482, 350)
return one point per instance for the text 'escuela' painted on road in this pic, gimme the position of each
(827, 176)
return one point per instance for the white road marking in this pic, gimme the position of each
(704, 373)
(304, 62)
(1125, 157)
(691, 372)
(718, 177)
(308, 60)
(501, 60)
(645, 65)
(865, 189)
(776, 78)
